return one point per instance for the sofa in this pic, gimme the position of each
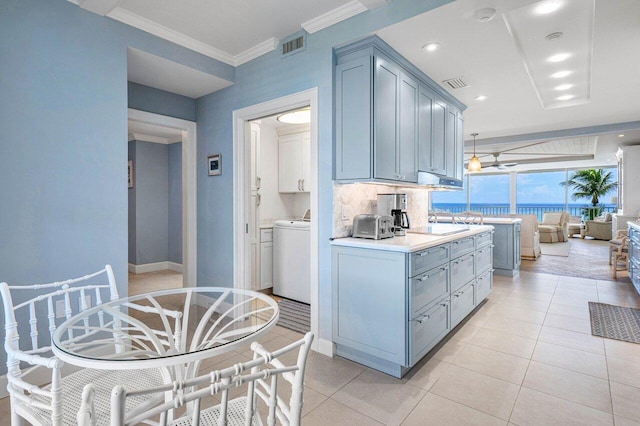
(529, 235)
(553, 228)
(598, 228)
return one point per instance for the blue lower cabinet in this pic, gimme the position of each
(390, 308)
(484, 259)
(428, 328)
(462, 303)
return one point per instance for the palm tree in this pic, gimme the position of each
(590, 183)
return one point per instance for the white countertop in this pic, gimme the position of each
(410, 242)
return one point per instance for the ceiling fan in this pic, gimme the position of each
(498, 165)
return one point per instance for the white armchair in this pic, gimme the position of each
(58, 402)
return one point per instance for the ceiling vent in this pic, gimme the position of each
(457, 83)
(293, 45)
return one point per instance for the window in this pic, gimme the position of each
(489, 194)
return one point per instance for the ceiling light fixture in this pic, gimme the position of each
(558, 58)
(547, 7)
(560, 74)
(480, 98)
(484, 15)
(563, 87)
(431, 47)
(301, 116)
(621, 135)
(565, 97)
(474, 164)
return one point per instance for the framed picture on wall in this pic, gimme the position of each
(214, 165)
(130, 174)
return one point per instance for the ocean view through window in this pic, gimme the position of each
(534, 193)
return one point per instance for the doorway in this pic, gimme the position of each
(244, 246)
(186, 131)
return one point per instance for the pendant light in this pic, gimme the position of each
(474, 164)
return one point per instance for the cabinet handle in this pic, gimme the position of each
(481, 251)
(258, 182)
(424, 253)
(444, 268)
(456, 262)
(443, 248)
(258, 199)
(426, 277)
(423, 319)
(302, 184)
(445, 304)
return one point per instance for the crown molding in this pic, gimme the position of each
(137, 21)
(135, 136)
(257, 50)
(334, 16)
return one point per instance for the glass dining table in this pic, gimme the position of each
(171, 329)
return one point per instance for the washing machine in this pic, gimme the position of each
(291, 261)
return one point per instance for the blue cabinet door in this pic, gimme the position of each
(370, 302)
(504, 247)
(439, 145)
(426, 100)
(353, 120)
(386, 97)
(408, 129)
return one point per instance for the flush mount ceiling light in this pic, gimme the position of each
(484, 15)
(474, 164)
(560, 74)
(558, 57)
(565, 97)
(621, 135)
(563, 87)
(431, 47)
(480, 98)
(301, 116)
(547, 7)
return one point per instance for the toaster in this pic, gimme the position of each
(373, 226)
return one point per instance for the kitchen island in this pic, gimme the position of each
(395, 299)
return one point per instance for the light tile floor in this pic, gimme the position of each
(525, 357)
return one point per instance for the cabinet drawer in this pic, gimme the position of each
(484, 239)
(484, 284)
(462, 271)
(430, 258)
(266, 235)
(427, 329)
(461, 303)
(484, 259)
(634, 250)
(462, 246)
(428, 287)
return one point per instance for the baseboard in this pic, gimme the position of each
(157, 266)
(326, 347)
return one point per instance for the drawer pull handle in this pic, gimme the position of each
(445, 304)
(426, 277)
(444, 268)
(423, 319)
(424, 253)
(443, 248)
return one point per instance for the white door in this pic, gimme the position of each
(289, 163)
(254, 207)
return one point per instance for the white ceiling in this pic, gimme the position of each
(485, 54)
(153, 133)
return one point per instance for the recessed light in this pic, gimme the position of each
(565, 97)
(621, 135)
(564, 87)
(560, 74)
(558, 58)
(480, 98)
(430, 47)
(548, 6)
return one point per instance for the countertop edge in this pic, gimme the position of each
(410, 242)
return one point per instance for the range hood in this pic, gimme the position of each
(438, 182)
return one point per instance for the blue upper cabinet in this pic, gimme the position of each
(391, 119)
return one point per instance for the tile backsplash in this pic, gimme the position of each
(352, 199)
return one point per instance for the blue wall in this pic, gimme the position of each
(155, 206)
(265, 78)
(175, 202)
(63, 115)
(145, 98)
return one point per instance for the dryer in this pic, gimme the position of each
(291, 260)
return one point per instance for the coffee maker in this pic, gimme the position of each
(395, 205)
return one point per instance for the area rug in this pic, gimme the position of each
(615, 322)
(294, 315)
(556, 249)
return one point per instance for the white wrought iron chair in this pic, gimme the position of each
(40, 393)
(468, 218)
(262, 399)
